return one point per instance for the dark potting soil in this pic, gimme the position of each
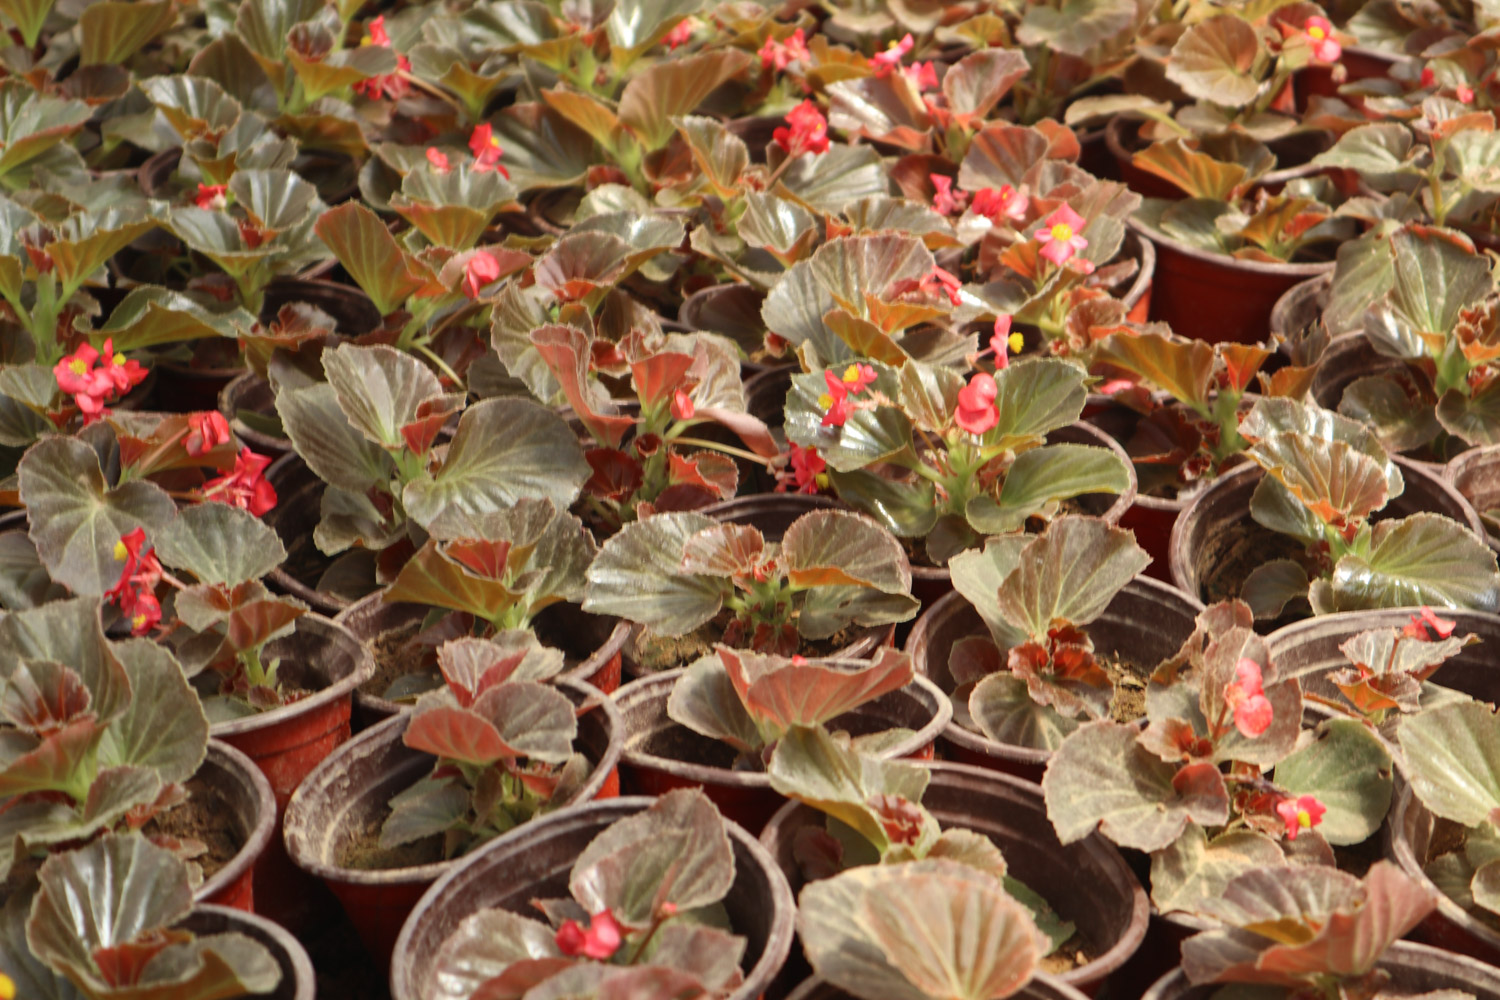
(207, 817)
(1229, 556)
(680, 743)
(1129, 702)
(363, 851)
(651, 653)
(1069, 956)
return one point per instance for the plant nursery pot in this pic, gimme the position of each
(1359, 63)
(534, 861)
(348, 796)
(1475, 474)
(1409, 834)
(251, 393)
(299, 500)
(1147, 620)
(1214, 298)
(353, 313)
(591, 643)
(246, 793)
(1301, 305)
(1216, 529)
(297, 981)
(1041, 987)
(286, 743)
(1348, 357)
(1122, 140)
(1087, 882)
(1414, 970)
(732, 309)
(661, 755)
(185, 388)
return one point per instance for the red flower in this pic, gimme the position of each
(681, 34)
(1061, 235)
(481, 269)
(1417, 628)
(600, 941)
(807, 466)
(1007, 202)
(976, 411)
(391, 85)
(1004, 343)
(135, 591)
(438, 159)
(378, 34)
(891, 58)
(1325, 47)
(946, 198)
(922, 75)
(211, 196)
(1246, 696)
(91, 387)
(209, 430)
(245, 487)
(808, 132)
(682, 405)
(1464, 94)
(486, 149)
(780, 54)
(1300, 814)
(835, 402)
(941, 282)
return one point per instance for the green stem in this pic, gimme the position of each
(748, 456)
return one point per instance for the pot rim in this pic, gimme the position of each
(809, 987)
(1398, 848)
(1293, 297)
(778, 942)
(302, 968)
(1461, 464)
(303, 849)
(364, 669)
(648, 689)
(259, 836)
(1279, 269)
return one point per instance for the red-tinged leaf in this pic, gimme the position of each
(658, 376)
(831, 548)
(865, 338)
(973, 658)
(707, 470)
(1196, 174)
(1241, 362)
(432, 414)
(787, 694)
(54, 764)
(486, 558)
(724, 550)
(472, 666)
(255, 622)
(519, 977)
(42, 696)
(121, 965)
(456, 734)
(565, 349)
(615, 474)
(750, 429)
(430, 578)
(1202, 785)
(1183, 369)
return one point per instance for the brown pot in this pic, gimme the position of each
(350, 793)
(1147, 620)
(353, 313)
(592, 643)
(1409, 833)
(1197, 547)
(252, 393)
(533, 862)
(1475, 474)
(1301, 306)
(1087, 882)
(1041, 987)
(732, 309)
(1414, 970)
(1122, 139)
(248, 795)
(299, 500)
(1359, 63)
(1348, 357)
(661, 755)
(297, 980)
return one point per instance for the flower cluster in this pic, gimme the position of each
(1246, 697)
(245, 486)
(1325, 47)
(806, 131)
(207, 430)
(600, 941)
(1425, 622)
(213, 197)
(135, 593)
(1061, 235)
(778, 55)
(807, 472)
(391, 85)
(835, 403)
(92, 387)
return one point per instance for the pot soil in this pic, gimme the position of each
(1087, 883)
(328, 585)
(1413, 838)
(1041, 987)
(1475, 474)
(1147, 622)
(297, 980)
(333, 822)
(661, 755)
(1215, 543)
(231, 809)
(533, 862)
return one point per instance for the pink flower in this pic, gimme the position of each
(244, 487)
(92, 387)
(1428, 77)
(1300, 814)
(891, 58)
(1325, 47)
(438, 159)
(808, 132)
(378, 34)
(209, 430)
(922, 75)
(1007, 202)
(942, 282)
(1060, 235)
(1417, 628)
(857, 377)
(780, 54)
(976, 411)
(682, 405)
(807, 466)
(1464, 94)
(946, 199)
(681, 34)
(1003, 342)
(486, 149)
(391, 85)
(135, 591)
(481, 269)
(600, 941)
(1247, 697)
(211, 196)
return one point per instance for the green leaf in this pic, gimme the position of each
(1348, 769)
(1451, 756)
(704, 700)
(164, 728)
(1422, 559)
(1200, 176)
(978, 574)
(1474, 418)
(1436, 276)
(332, 71)
(1070, 573)
(907, 510)
(423, 810)
(1194, 869)
(637, 576)
(76, 520)
(1045, 476)
(115, 30)
(1002, 707)
(219, 544)
(1215, 60)
(1382, 148)
(28, 16)
(1332, 479)
(370, 254)
(870, 435)
(636, 25)
(149, 316)
(192, 105)
(721, 155)
(32, 123)
(433, 579)
(829, 182)
(340, 455)
(1077, 26)
(1035, 398)
(68, 632)
(380, 389)
(654, 97)
(1183, 369)
(487, 942)
(836, 548)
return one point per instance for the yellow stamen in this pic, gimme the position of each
(822, 480)
(121, 552)
(1016, 342)
(138, 622)
(825, 401)
(77, 367)
(1317, 33)
(118, 359)
(1304, 819)
(1062, 232)
(7, 987)
(851, 374)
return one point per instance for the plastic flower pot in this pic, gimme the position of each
(1414, 969)
(349, 795)
(286, 743)
(251, 393)
(593, 644)
(661, 755)
(1148, 621)
(297, 981)
(299, 498)
(1088, 882)
(1041, 987)
(1475, 474)
(1293, 154)
(1218, 520)
(1301, 305)
(353, 313)
(247, 794)
(533, 862)
(1410, 831)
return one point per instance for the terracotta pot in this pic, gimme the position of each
(252, 393)
(286, 743)
(533, 862)
(1409, 833)
(1475, 474)
(1414, 970)
(297, 981)
(350, 792)
(1301, 305)
(1214, 298)
(1293, 153)
(1041, 987)
(1147, 621)
(1359, 63)
(1200, 535)
(1087, 882)
(248, 796)
(661, 755)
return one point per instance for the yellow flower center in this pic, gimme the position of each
(121, 553)
(118, 359)
(77, 367)
(7, 988)
(1316, 33)
(1304, 819)
(825, 401)
(851, 374)
(1062, 232)
(139, 621)
(494, 142)
(1016, 342)
(822, 480)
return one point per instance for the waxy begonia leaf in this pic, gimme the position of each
(867, 436)
(164, 729)
(329, 443)
(1001, 154)
(1068, 574)
(425, 809)
(1287, 416)
(906, 510)
(192, 105)
(1437, 274)
(1003, 709)
(29, 16)
(654, 97)
(1422, 559)
(1376, 150)
(978, 81)
(783, 228)
(432, 578)
(1045, 476)
(509, 720)
(977, 942)
(32, 122)
(1035, 398)
(113, 31)
(1194, 869)
(1404, 423)
(76, 519)
(149, 316)
(833, 548)
(483, 945)
(60, 762)
(828, 182)
(880, 214)
(379, 389)
(1077, 26)
(322, 71)
(1195, 173)
(1338, 483)
(1101, 777)
(635, 25)
(704, 699)
(1348, 769)
(82, 243)
(781, 695)
(1182, 368)
(1452, 759)
(68, 632)
(472, 666)
(218, 543)
(637, 575)
(886, 109)
(721, 155)
(452, 208)
(1214, 60)
(675, 852)
(1474, 418)
(543, 148)
(368, 251)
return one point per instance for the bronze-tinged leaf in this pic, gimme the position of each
(456, 734)
(1197, 174)
(362, 243)
(786, 694)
